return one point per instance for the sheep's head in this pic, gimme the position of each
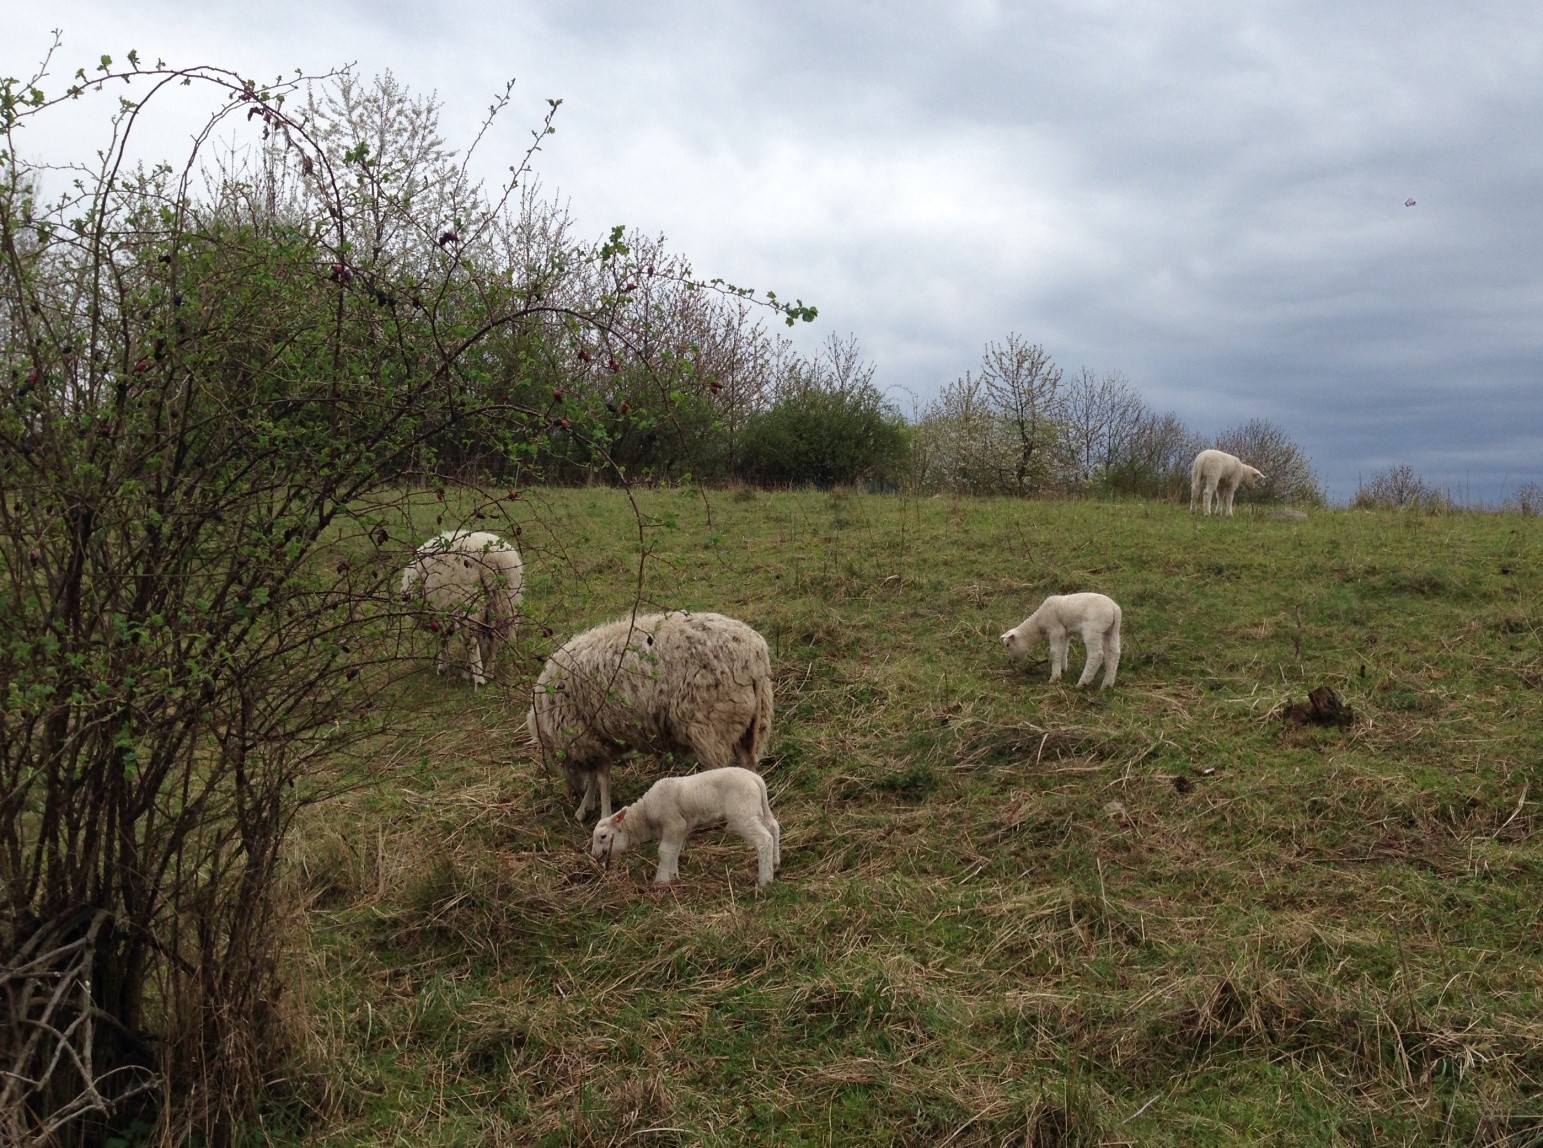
(610, 837)
(1251, 476)
(1018, 641)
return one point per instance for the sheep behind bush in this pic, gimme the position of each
(661, 683)
(472, 584)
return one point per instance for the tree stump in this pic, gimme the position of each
(1322, 708)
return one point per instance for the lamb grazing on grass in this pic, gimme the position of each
(661, 683)
(674, 806)
(1094, 616)
(1219, 474)
(472, 583)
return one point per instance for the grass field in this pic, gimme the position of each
(1000, 918)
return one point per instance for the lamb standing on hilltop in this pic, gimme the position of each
(1094, 616)
(674, 806)
(1219, 474)
(473, 583)
(662, 683)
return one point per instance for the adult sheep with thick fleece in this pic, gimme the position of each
(1218, 474)
(674, 806)
(1094, 616)
(662, 683)
(472, 583)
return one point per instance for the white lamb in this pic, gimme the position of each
(472, 584)
(674, 806)
(1094, 616)
(1219, 474)
(661, 683)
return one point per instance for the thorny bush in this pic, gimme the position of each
(221, 384)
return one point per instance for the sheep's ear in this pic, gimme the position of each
(618, 815)
(1007, 637)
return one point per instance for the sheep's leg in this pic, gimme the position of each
(1058, 649)
(474, 648)
(1210, 492)
(1095, 648)
(670, 846)
(770, 821)
(753, 830)
(765, 856)
(485, 649)
(604, 773)
(1111, 657)
(1227, 491)
(443, 662)
(589, 794)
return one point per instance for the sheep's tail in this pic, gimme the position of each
(767, 817)
(748, 751)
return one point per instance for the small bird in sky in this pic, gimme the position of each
(1409, 203)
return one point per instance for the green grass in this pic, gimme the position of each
(998, 919)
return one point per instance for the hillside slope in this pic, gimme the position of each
(1001, 917)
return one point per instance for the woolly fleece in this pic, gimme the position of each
(661, 683)
(473, 584)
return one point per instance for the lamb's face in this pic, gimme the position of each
(1017, 643)
(1251, 476)
(610, 838)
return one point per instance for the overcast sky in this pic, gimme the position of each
(1207, 196)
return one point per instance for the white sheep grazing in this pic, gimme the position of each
(661, 683)
(473, 584)
(674, 806)
(1094, 616)
(1219, 474)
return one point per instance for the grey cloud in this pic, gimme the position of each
(1205, 195)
